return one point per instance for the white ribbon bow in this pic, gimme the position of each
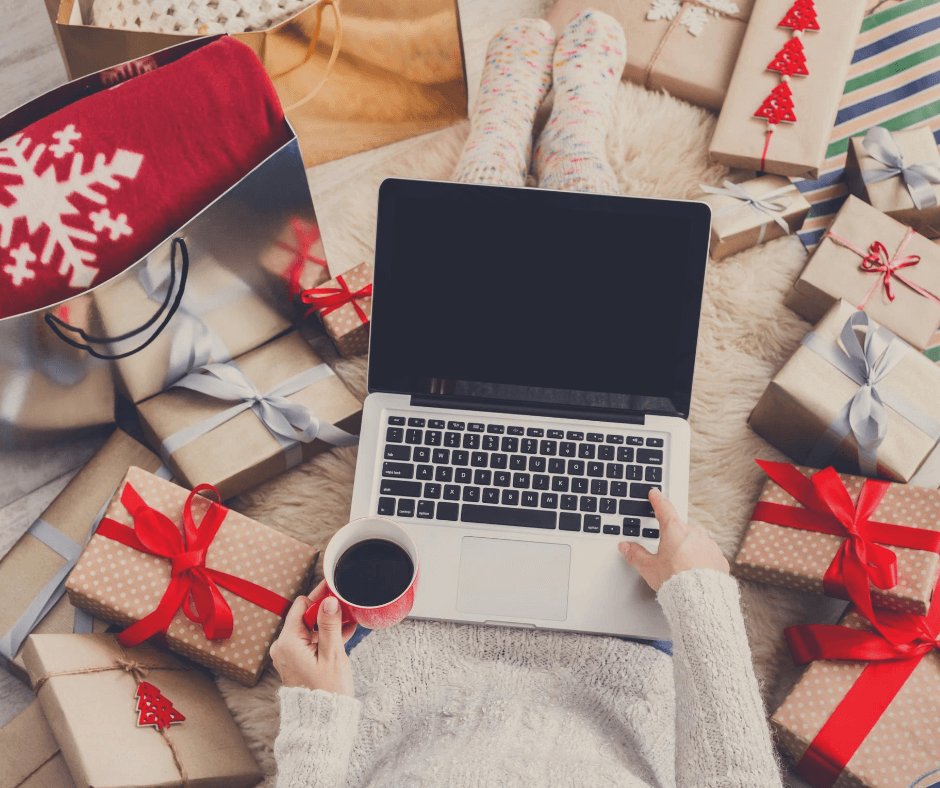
(881, 145)
(766, 204)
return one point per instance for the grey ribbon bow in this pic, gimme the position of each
(289, 422)
(766, 204)
(881, 145)
(864, 416)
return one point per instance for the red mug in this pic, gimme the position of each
(380, 616)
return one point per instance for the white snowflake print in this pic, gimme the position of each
(40, 199)
(695, 14)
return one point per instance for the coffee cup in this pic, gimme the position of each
(371, 568)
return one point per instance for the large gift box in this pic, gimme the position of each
(243, 582)
(686, 47)
(33, 573)
(835, 534)
(785, 89)
(30, 754)
(876, 264)
(136, 718)
(344, 306)
(236, 425)
(750, 213)
(898, 172)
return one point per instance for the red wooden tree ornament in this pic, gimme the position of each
(790, 60)
(154, 708)
(778, 106)
(801, 16)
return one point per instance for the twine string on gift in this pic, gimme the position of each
(328, 299)
(880, 144)
(305, 236)
(864, 416)
(337, 44)
(767, 205)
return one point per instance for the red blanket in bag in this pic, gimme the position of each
(88, 190)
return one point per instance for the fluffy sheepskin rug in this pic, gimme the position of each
(657, 146)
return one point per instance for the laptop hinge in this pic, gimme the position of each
(531, 409)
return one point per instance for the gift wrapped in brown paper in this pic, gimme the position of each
(685, 47)
(898, 172)
(297, 259)
(794, 540)
(248, 576)
(92, 693)
(33, 573)
(751, 213)
(781, 104)
(876, 264)
(810, 409)
(30, 754)
(236, 425)
(344, 306)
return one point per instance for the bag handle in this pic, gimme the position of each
(337, 43)
(60, 327)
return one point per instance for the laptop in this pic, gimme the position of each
(530, 376)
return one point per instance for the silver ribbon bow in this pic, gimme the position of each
(864, 416)
(881, 145)
(766, 204)
(289, 422)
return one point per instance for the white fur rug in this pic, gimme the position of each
(658, 148)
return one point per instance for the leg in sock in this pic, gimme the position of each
(516, 77)
(571, 152)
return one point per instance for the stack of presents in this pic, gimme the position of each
(192, 295)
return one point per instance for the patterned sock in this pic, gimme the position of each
(516, 77)
(571, 152)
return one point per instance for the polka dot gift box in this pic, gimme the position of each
(344, 306)
(235, 578)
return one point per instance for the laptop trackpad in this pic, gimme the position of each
(502, 577)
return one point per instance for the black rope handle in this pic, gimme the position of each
(60, 327)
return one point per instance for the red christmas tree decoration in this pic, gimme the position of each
(801, 16)
(154, 708)
(790, 60)
(778, 106)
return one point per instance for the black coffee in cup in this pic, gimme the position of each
(373, 572)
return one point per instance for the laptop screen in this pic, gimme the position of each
(528, 295)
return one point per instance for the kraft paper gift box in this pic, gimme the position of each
(799, 140)
(33, 573)
(120, 583)
(297, 259)
(683, 48)
(344, 306)
(880, 155)
(30, 754)
(753, 212)
(852, 262)
(222, 440)
(803, 410)
(90, 691)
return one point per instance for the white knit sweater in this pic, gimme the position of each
(456, 705)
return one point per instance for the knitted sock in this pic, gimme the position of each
(571, 152)
(516, 77)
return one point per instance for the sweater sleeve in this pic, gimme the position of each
(722, 735)
(317, 733)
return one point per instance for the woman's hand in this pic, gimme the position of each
(315, 660)
(681, 547)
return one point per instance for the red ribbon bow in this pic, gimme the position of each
(305, 236)
(329, 299)
(191, 580)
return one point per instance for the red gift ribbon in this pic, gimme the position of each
(329, 299)
(191, 580)
(829, 509)
(304, 239)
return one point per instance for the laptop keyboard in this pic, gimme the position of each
(496, 473)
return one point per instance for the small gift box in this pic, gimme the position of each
(686, 47)
(865, 713)
(855, 396)
(236, 425)
(842, 535)
(748, 214)
(33, 573)
(898, 172)
(297, 258)
(785, 89)
(876, 264)
(30, 754)
(243, 582)
(136, 718)
(344, 306)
